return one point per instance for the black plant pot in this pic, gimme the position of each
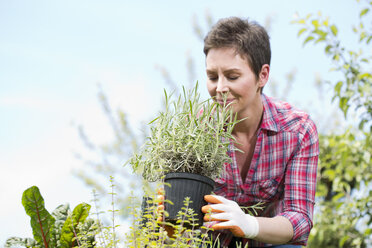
(184, 185)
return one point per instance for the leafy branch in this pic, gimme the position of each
(355, 87)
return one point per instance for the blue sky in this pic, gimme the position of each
(53, 54)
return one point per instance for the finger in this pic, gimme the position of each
(210, 209)
(160, 199)
(209, 224)
(211, 218)
(160, 191)
(160, 218)
(207, 218)
(159, 212)
(220, 208)
(220, 217)
(216, 199)
(236, 230)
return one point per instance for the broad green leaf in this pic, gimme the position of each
(69, 229)
(60, 215)
(42, 222)
(315, 23)
(61, 212)
(334, 30)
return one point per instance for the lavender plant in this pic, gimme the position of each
(190, 135)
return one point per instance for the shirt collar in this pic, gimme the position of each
(270, 117)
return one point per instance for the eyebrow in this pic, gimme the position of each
(233, 70)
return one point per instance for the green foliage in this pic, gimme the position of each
(42, 222)
(190, 135)
(148, 231)
(343, 191)
(61, 229)
(344, 194)
(354, 89)
(70, 227)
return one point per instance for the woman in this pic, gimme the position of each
(280, 145)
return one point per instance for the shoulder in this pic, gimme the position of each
(287, 117)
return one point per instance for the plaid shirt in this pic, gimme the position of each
(282, 174)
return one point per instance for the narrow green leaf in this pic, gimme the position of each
(320, 39)
(321, 33)
(301, 21)
(369, 39)
(301, 31)
(325, 22)
(327, 49)
(362, 36)
(336, 57)
(344, 106)
(338, 87)
(343, 240)
(42, 222)
(334, 30)
(308, 39)
(69, 228)
(338, 196)
(363, 12)
(364, 75)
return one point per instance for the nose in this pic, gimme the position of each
(222, 86)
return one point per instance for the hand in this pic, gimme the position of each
(160, 206)
(230, 216)
(160, 212)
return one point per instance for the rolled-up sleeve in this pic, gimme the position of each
(300, 184)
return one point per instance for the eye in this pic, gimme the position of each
(212, 78)
(233, 77)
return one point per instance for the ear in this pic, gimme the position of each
(263, 77)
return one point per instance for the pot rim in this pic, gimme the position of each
(191, 176)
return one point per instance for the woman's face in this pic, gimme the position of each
(228, 73)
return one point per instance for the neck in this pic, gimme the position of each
(251, 124)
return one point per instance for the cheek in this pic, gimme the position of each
(211, 89)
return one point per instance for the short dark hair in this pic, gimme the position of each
(249, 39)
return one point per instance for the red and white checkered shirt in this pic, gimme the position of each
(282, 174)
